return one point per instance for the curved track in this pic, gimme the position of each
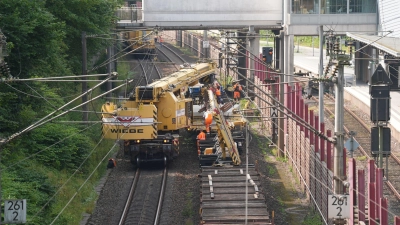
(145, 198)
(150, 72)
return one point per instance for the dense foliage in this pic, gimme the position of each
(44, 38)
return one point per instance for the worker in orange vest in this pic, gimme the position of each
(201, 136)
(207, 120)
(237, 88)
(218, 94)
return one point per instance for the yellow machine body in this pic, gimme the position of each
(150, 121)
(129, 123)
(141, 40)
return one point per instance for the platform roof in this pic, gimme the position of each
(390, 45)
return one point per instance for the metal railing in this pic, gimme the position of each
(130, 13)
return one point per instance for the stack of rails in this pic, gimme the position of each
(223, 194)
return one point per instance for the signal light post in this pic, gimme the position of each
(267, 53)
(379, 90)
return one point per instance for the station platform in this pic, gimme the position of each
(307, 60)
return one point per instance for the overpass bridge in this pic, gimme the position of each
(286, 17)
(297, 17)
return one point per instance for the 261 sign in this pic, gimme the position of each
(338, 207)
(15, 211)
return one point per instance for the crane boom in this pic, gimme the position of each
(224, 134)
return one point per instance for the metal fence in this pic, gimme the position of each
(130, 13)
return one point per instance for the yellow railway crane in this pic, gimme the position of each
(150, 121)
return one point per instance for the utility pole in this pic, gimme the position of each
(84, 72)
(2, 141)
(206, 44)
(281, 120)
(339, 132)
(321, 75)
(339, 59)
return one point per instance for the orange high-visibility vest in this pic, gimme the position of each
(201, 136)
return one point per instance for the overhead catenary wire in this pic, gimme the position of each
(83, 184)
(69, 178)
(114, 57)
(39, 123)
(58, 142)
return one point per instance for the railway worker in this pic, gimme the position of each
(207, 120)
(218, 94)
(217, 85)
(111, 163)
(160, 40)
(201, 136)
(237, 88)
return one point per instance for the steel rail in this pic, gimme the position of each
(169, 58)
(161, 198)
(130, 197)
(144, 72)
(157, 70)
(177, 55)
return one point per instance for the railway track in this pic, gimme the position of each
(172, 56)
(354, 122)
(145, 198)
(150, 71)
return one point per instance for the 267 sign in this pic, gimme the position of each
(15, 211)
(338, 206)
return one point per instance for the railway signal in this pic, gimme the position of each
(379, 91)
(267, 54)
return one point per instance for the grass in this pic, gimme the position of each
(312, 218)
(188, 210)
(361, 158)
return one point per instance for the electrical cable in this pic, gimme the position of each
(39, 123)
(70, 177)
(87, 179)
(34, 154)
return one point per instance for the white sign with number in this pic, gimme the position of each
(206, 44)
(338, 206)
(15, 211)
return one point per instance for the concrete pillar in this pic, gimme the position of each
(205, 50)
(241, 56)
(277, 43)
(289, 57)
(254, 48)
(281, 50)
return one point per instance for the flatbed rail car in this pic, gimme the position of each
(149, 122)
(226, 139)
(223, 194)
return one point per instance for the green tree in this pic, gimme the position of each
(91, 16)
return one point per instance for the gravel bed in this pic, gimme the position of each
(114, 193)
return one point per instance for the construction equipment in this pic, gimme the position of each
(150, 120)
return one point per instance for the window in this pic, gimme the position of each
(362, 6)
(334, 6)
(305, 6)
